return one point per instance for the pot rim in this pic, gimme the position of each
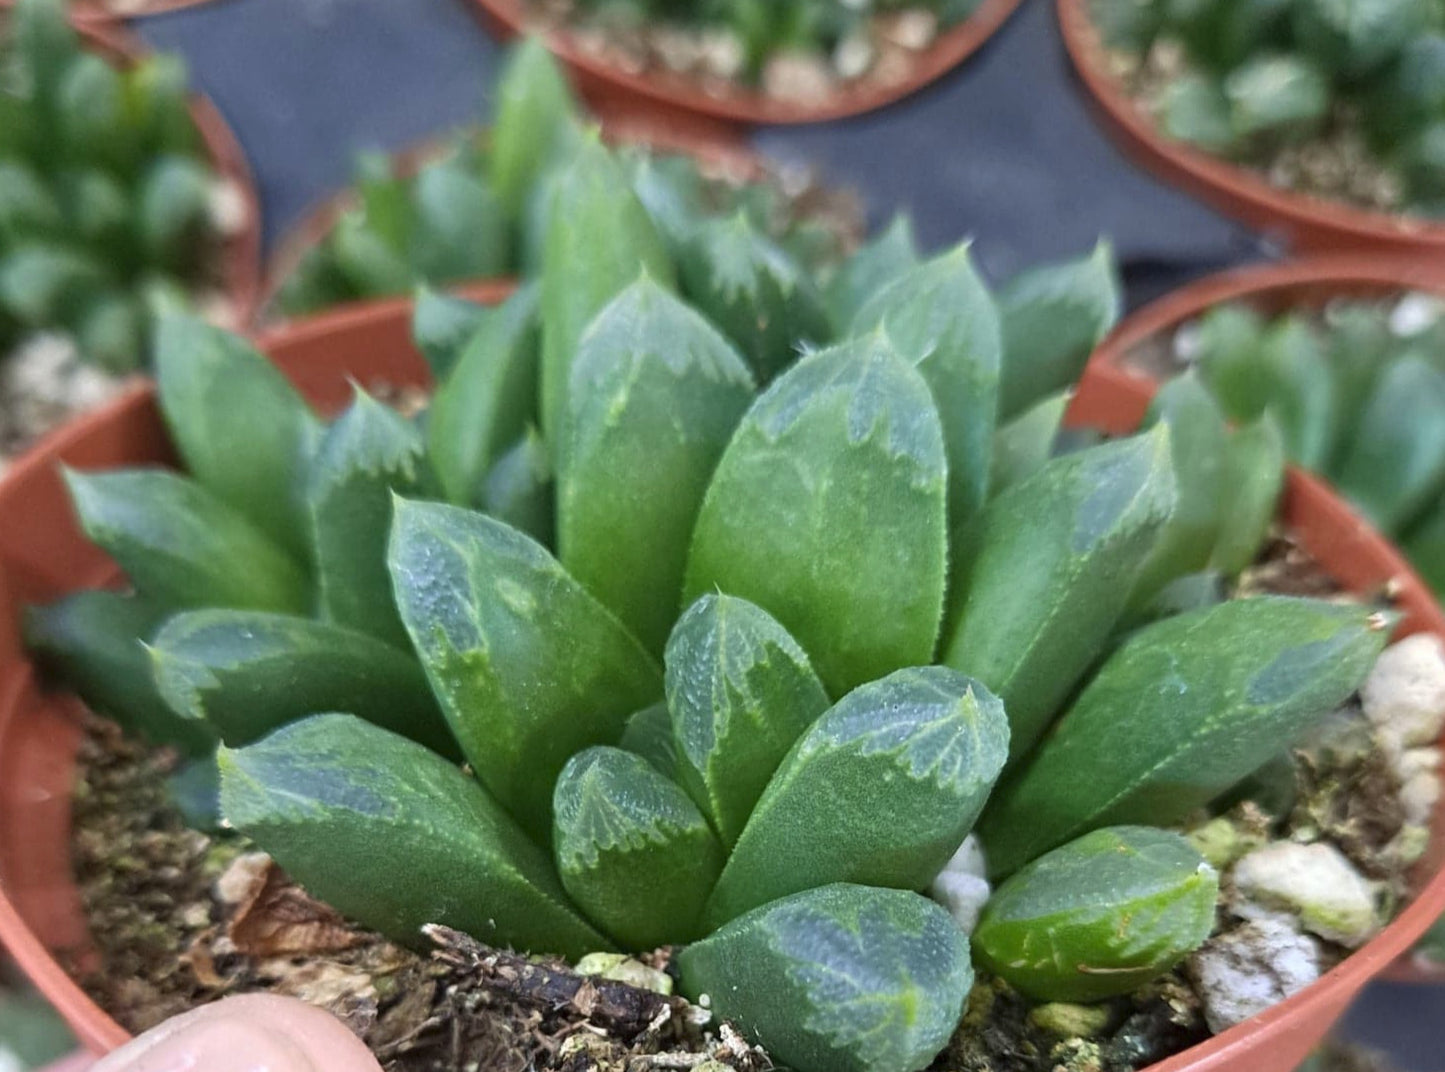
(666, 91)
(1106, 396)
(240, 273)
(1230, 188)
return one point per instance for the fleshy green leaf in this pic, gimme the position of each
(599, 239)
(518, 490)
(441, 327)
(321, 795)
(1194, 109)
(649, 735)
(754, 291)
(370, 267)
(369, 454)
(633, 851)
(882, 790)
(528, 667)
(1197, 438)
(171, 209)
(534, 108)
(1359, 346)
(1025, 444)
(244, 673)
(461, 231)
(741, 692)
(1182, 710)
(240, 427)
(93, 641)
(1057, 555)
(1100, 916)
(183, 547)
(655, 396)
(1302, 395)
(1396, 465)
(488, 398)
(37, 281)
(1356, 37)
(838, 979)
(1252, 481)
(828, 511)
(1052, 317)
(942, 319)
(1281, 96)
(892, 254)
(1227, 356)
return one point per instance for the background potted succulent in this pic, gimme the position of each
(592, 568)
(1316, 123)
(476, 206)
(123, 194)
(794, 62)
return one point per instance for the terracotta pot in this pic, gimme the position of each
(1273, 288)
(240, 269)
(725, 152)
(119, 10)
(1303, 222)
(40, 915)
(605, 83)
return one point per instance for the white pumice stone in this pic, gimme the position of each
(1247, 970)
(961, 886)
(1315, 884)
(1404, 696)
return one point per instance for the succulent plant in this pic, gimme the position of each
(753, 681)
(1263, 76)
(746, 34)
(1355, 392)
(478, 207)
(105, 194)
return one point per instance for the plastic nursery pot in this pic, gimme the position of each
(1305, 223)
(722, 152)
(240, 268)
(605, 81)
(46, 555)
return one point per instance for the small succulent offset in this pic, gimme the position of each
(735, 649)
(1354, 391)
(105, 196)
(478, 209)
(1261, 76)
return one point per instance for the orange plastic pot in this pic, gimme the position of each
(43, 554)
(1304, 223)
(606, 83)
(240, 268)
(724, 152)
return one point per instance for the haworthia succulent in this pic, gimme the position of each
(1023, 445)
(890, 255)
(847, 978)
(1052, 318)
(322, 796)
(366, 456)
(626, 837)
(239, 425)
(244, 673)
(1302, 396)
(183, 547)
(1100, 916)
(828, 511)
(1198, 437)
(461, 230)
(881, 790)
(1056, 557)
(528, 667)
(655, 396)
(1397, 462)
(1252, 481)
(94, 641)
(1359, 342)
(534, 108)
(1280, 96)
(1181, 711)
(519, 491)
(741, 692)
(942, 319)
(1355, 38)
(599, 239)
(1227, 342)
(754, 291)
(649, 735)
(488, 398)
(441, 327)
